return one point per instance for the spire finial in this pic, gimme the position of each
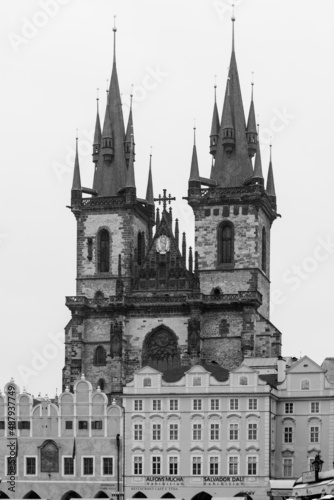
(233, 21)
(194, 132)
(151, 147)
(270, 145)
(97, 99)
(114, 30)
(107, 80)
(131, 96)
(252, 83)
(215, 87)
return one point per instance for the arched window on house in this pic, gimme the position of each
(100, 356)
(264, 250)
(147, 382)
(225, 243)
(104, 251)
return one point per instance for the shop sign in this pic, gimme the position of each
(164, 480)
(224, 480)
(308, 476)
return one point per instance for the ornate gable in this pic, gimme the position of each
(164, 267)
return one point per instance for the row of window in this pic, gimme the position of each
(82, 424)
(196, 432)
(215, 404)
(196, 465)
(314, 407)
(87, 466)
(197, 404)
(314, 434)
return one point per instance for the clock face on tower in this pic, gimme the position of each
(163, 244)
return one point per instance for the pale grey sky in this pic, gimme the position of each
(55, 53)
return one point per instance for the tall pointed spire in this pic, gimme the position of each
(194, 171)
(251, 131)
(129, 132)
(76, 194)
(233, 165)
(215, 125)
(76, 184)
(108, 181)
(149, 190)
(270, 179)
(97, 133)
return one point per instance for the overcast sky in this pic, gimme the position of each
(55, 53)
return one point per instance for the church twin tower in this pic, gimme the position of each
(139, 299)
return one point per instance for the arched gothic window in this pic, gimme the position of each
(264, 250)
(225, 243)
(100, 356)
(104, 251)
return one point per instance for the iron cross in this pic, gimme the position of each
(164, 199)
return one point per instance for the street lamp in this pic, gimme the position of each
(316, 465)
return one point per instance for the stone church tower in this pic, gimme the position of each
(138, 301)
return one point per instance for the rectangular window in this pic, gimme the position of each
(288, 434)
(315, 407)
(214, 404)
(173, 466)
(197, 466)
(252, 404)
(214, 466)
(174, 405)
(2, 424)
(197, 381)
(197, 432)
(156, 405)
(68, 424)
(68, 466)
(107, 466)
(252, 432)
(138, 466)
(138, 405)
(234, 432)
(233, 466)
(156, 432)
(31, 466)
(288, 407)
(174, 432)
(214, 432)
(24, 424)
(97, 424)
(234, 404)
(252, 466)
(83, 424)
(314, 434)
(287, 467)
(88, 466)
(138, 432)
(156, 465)
(197, 404)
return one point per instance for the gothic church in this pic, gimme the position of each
(141, 297)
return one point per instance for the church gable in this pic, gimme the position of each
(164, 267)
